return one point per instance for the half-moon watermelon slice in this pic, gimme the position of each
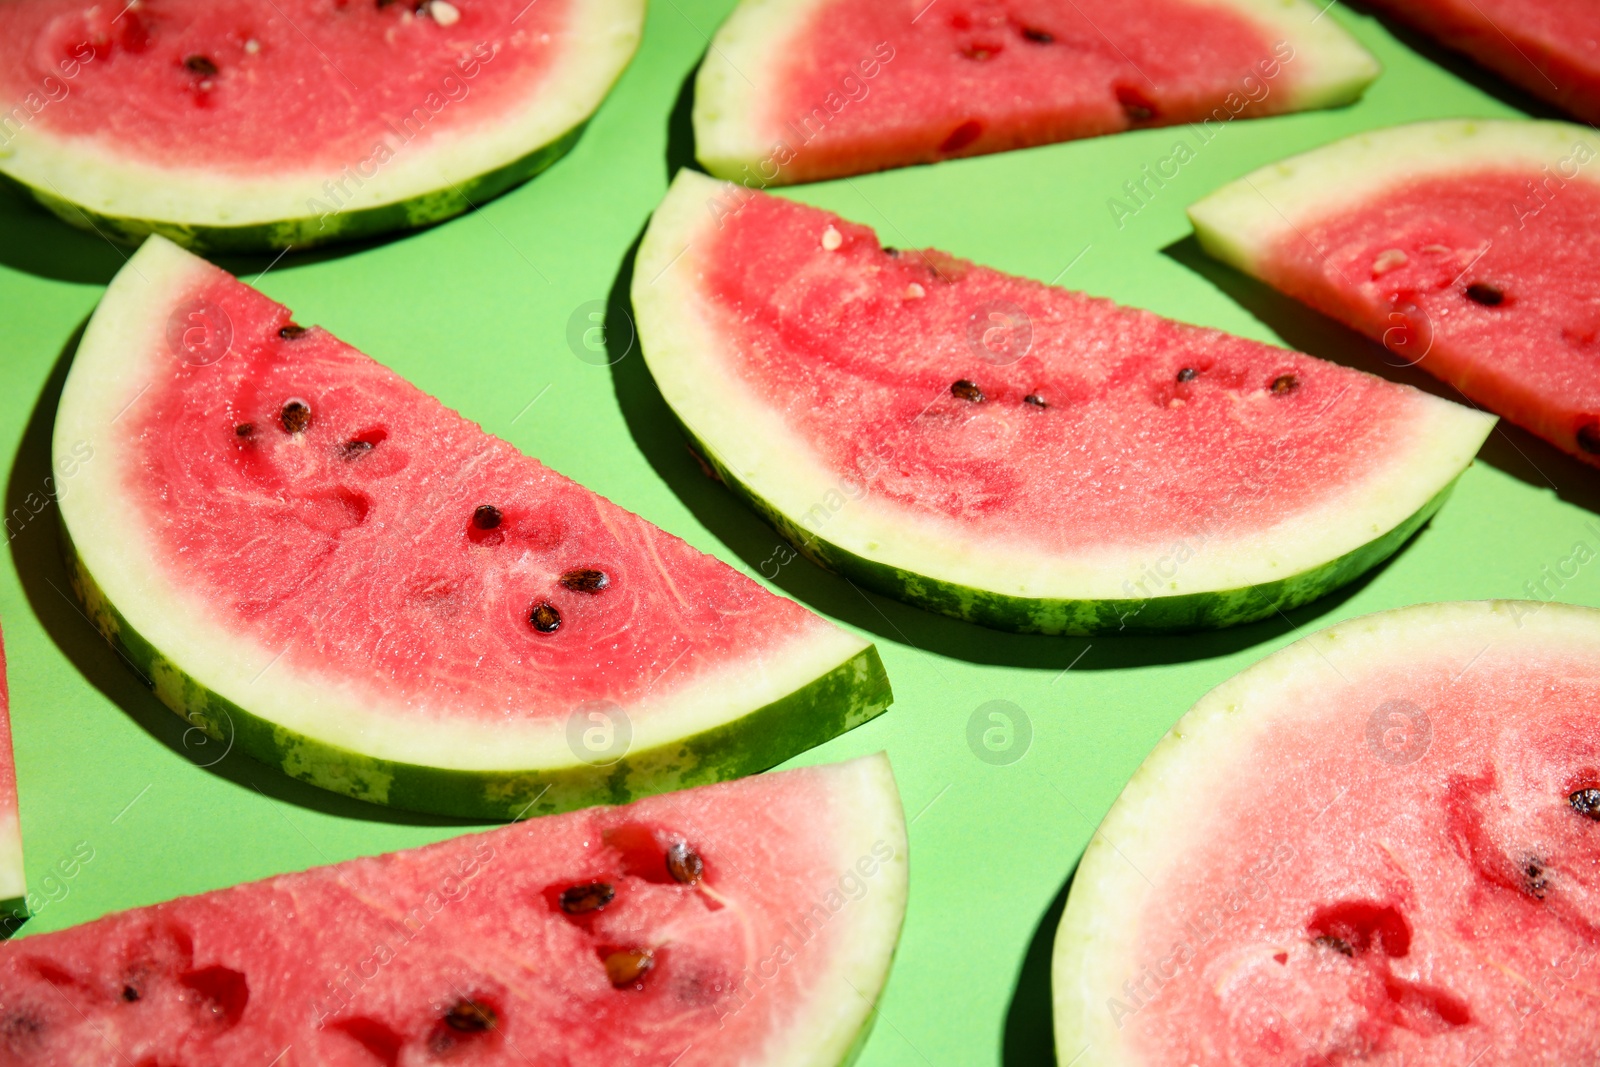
(801, 90)
(13, 879)
(248, 124)
(1465, 246)
(1016, 454)
(1381, 844)
(748, 924)
(307, 557)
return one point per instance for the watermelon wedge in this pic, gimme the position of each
(1380, 844)
(1015, 454)
(750, 923)
(240, 125)
(13, 882)
(802, 90)
(307, 557)
(1465, 246)
(1550, 48)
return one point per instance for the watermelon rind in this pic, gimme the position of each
(88, 184)
(1152, 826)
(746, 716)
(744, 67)
(1244, 220)
(13, 879)
(938, 566)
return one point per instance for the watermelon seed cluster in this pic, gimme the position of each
(626, 967)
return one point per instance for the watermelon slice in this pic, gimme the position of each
(1466, 246)
(750, 923)
(307, 557)
(249, 124)
(1379, 844)
(1551, 48)
(1015, 454)
(13, 884)
(801, 90)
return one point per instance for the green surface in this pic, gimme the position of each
(479, 311)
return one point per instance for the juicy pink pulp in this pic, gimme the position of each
(265, 86)
(863, 353)
(353, 544)
(1486, 280)
(358, 965)
(1372, 890)
(8, 766)
(869, 85)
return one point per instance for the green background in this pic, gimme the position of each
(477, 312)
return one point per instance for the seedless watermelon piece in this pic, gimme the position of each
(13, 883)
(309, 558)
(1015, 454)
(748, 924)
(1381, 843)
(1466, 246)
(800, 90)
(1551, 48)
(252, 124)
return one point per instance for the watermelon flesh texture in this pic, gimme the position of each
(859, 86)
(1023, 427)
(1550, 48)
(494, 948)
(305, 542)
(13, 883)
(1390, 855)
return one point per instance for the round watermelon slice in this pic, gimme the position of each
(746, 924)
(802, 90)
(13, 881)
(1381, 844)
(1465, 246)
(1015, 454)
(309, 558)
(251, 124)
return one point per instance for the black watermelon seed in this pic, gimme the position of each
(627, 967)
(353, 449)
(1188, 374)
(891, 250)
(966, 390)
(1589, 438)
(1487, 295)
(684, 863)
(486, 516)
(244, 429)
(1035, 399)
(130, 994)
(582, 899)
(202, 65)
(1338, 944)
(291, 331)
(1586, 802)
(585, 580)
(1534, 880)
(1135, 104)
(545, 618)
(296, 416)
(1038, 36)
(470, 1017)
(1285, 383)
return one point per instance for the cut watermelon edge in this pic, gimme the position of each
(1099, 931)
(733, 138)
(86, 185)
(937, 566)
(744, 717)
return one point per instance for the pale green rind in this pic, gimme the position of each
(13, 877)
(1160, 814)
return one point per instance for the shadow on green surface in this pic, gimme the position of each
(33, 527)
(1029, 1038)
(656, 431)
(680, 127)
(1510, 448)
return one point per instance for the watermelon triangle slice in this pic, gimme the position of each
(1380, 844)
(1467, 247)
(802, 90)
(1016, 454)
(13, 881)
(738, 925)
(253, 124)
(310, 559)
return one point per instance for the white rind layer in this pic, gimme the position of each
(690, 361)
(119, 357)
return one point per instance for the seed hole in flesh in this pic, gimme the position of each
(470, 1017)
(244, 429)
(965, 390)
(1589, 437)
(626, 968)
(362, 443)
(1362, 926)
(1285, 383)
(1337, 944)
(544, 617)
(1038, 36)
(981, 52)
(962, 136)
(1135, 104)
(1586, 802)
(295, 416)
(376, 1037)
(292, 331)
(585, 580)
(204, 66)
(685, 864)
(486, 517)
(1488, 295)
(221, 991)
(1035, 399)
(1188, 374)
(583, 899)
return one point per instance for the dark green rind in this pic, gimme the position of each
(1169, 614)
(844, 698)
(316, 229)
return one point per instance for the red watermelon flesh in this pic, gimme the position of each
(767, 910)
(12, 884)
(1551, 48)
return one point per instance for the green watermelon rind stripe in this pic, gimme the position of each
(839, 700)
(311, 230)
